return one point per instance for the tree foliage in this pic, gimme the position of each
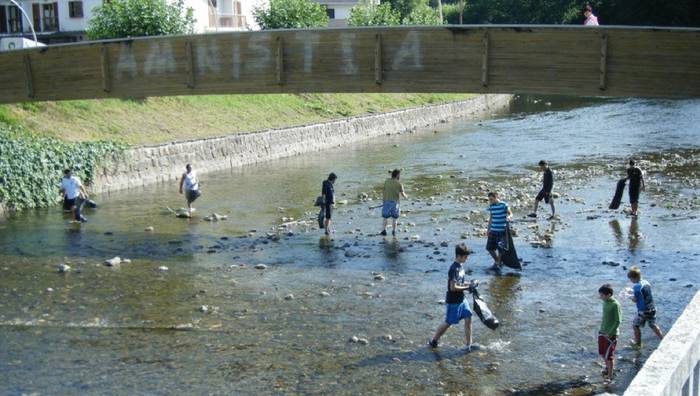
(291, 14)
(405, 7)
(423, 15)
(134, 18)
(364, 14)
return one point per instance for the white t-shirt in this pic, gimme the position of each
(71, 186)
(591, 21)
(191, 182)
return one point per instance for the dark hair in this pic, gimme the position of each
(332, 176)
(66, 171)
(395, 173)
(462, 250)
(606, 289)
(542, 163)
(587, 7)
(493, 194)
(632, 162)
(188, 166)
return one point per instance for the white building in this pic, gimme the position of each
(339, 10)
(58, 21)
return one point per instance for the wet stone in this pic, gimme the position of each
(63, 268)
(260, 266)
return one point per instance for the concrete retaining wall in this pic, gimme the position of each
(674, 368)
(165, 162)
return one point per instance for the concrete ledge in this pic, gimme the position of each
(161, 163)
(668, 369)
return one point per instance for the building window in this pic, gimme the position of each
(49, 16)
(75, 9)
(3, 19)
(330, 12)
(14, 19)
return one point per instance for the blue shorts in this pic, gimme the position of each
(457, 312)
(391, 209)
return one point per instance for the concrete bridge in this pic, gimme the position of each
(570, 60)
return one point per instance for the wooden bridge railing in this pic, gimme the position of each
(571, 60)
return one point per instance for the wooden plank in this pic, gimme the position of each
(500, 59)
(29, 77)
(378, 66)
(603, 61)
(104, 68)
(189, 64)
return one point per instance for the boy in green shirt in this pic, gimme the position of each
(609, 329)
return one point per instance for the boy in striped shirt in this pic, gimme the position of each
(499, 216)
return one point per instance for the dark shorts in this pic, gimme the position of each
(606, 347)
(496, 240)
(644, 318)
(456, 312)
(192, 195)
(68, 204)
(634, 194)
(391, 209)
(329, 210)
(544, 195)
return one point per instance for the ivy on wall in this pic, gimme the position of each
(31, 166)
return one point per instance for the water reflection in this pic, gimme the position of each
(634, 236)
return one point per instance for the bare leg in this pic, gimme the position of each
(468, 330)
(610, 365)
(637, 335)
(634, 208)
(551, 203)
(327, 226)
(440, 331)
(384, 224)
(537, 204)
(393, 226)
(496, 258)
(658, 332)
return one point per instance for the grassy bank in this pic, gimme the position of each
(157, 120)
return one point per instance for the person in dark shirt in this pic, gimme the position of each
(546, 191)
(636, 180)
(328, 193)
(457, 309)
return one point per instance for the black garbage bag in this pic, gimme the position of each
(483, 312)
(77, 215)
(90, 204)
(509, 257)
(321, 217)
(617, 198)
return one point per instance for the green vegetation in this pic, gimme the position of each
(32, 165)
(422, 14)
(291, 14)
(133, 18)
(157, 120)
(373, 15)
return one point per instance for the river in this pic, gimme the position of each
(135, 329)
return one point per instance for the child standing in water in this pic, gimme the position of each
(609, 330)
(457, 309)
(646, 310)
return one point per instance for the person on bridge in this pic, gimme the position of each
(328, 194)
(646, 310)
(546, 191)
(393, 192)
(457, 309)
(72, 189)
(191, 183)
(591, 19)
(499, 216)
(636, 180)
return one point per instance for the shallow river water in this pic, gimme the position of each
(134, 329)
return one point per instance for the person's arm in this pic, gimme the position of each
(488, 227)
(84, 192)
(182, 181)
(455, 287)
(403, 193)
(616, 319)
(510, 214)
(641, 176)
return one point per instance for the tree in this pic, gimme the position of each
(423, 15)
(291, 14)
(405, 7)
(133, 18)
(373, 15)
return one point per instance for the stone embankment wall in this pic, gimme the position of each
(145, 165)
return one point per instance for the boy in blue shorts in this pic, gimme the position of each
(457, 309)
(646, 311)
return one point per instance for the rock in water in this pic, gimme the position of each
(62, 268)
(149, 229)
(162, 268)
(113, 262)
(289, 297)
(260, 266)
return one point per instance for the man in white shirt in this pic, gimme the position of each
(191, 183)
(72, 189)
(591, 20)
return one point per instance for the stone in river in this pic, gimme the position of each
(260, 266)
(379, 277)
(363, 341)
(353, 339)
(324, 294)
(62, 268)
(149, 229)
(162, 268)
(113, 262)
(289, 297)
(203, 309)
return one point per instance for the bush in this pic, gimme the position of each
(134, 18)
(373, 15)
(423, 14)
(291, 14)
(32, 166)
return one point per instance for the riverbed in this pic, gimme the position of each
(213, 323)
